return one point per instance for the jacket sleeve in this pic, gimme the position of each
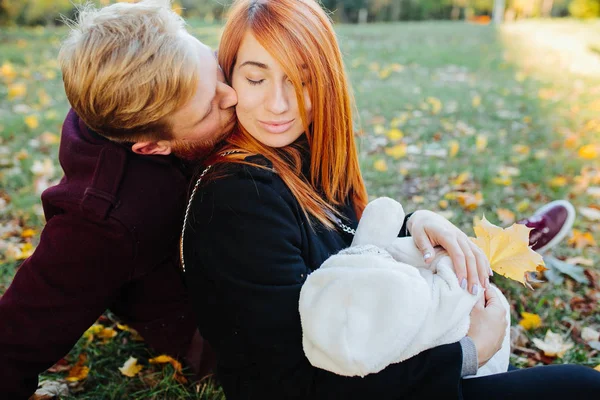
(71, 278)
(244, 261)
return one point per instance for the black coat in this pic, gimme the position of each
(248, 249)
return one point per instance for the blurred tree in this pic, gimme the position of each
(585, 8)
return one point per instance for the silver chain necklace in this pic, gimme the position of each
(344, 227)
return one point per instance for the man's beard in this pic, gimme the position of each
(192, 150)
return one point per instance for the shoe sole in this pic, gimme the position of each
(566, 228)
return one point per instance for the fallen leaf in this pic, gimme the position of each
(558, 181)
(553, 344)
(502, 180)
(557, 267)
(27, 233)
(50, 390)
(454, 148)
(476, 102)
(460, 179)
(443, 204)
(523, 205)
(131, 368)
(16, 90)
(589, 213)
(580, 239)
(594, 344)
(32, 121)
(164, 359)
(507, 249)
(506, 216)
(580, 260)
(521, 149)
(397, 151)
(597, 368)
(79, 370)
(481, 143)
(469, 201)
(380, 165)
(395, 134)
(530, 321)
(61, 365)
(589, 151)
(588, 334)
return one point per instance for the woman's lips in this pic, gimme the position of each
(276, 126)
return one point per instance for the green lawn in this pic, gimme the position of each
(463, 119)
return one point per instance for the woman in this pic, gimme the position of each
(276, 202)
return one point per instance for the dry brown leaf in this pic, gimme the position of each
(131, 368)
(79, 370)
(507, 249)
(553, 344)
(580, 239)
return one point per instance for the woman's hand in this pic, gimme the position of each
(488, 326)
(471, 266)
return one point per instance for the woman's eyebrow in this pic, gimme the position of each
(255, 64)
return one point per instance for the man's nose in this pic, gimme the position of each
(227, 96)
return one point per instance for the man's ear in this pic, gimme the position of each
(162, 147)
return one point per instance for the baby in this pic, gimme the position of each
(377, 303)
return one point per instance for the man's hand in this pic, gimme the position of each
(429, 229)
(488, 326)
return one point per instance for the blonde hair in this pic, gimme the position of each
(127, 67)
(299, 33)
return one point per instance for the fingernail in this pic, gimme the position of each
(427, 256)
(475, 289)
(463, 284)
(491, 272)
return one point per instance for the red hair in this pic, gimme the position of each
(299, 34)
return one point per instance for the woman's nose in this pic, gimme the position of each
(278, 101)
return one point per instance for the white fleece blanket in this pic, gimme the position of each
(377, 302)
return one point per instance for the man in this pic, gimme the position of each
(141, 89)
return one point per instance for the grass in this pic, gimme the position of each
(511, 107)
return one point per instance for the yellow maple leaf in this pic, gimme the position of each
(530, 321)
(476, 102)
(507, 249)
(79, 371)
(27, 233)
(131, 368)
(597, 368)
(553, 344)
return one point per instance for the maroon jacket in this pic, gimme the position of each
(110, 241)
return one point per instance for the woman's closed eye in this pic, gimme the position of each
(255, 82)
